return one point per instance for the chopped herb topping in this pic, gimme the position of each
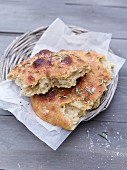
(88, 52)
(25, 64)
(61, 56)
(56, 55)
(88, 89)
(104, 135)
(55, 90)
(58, 58)
(101, 81)
(63, 96)
(78, 91)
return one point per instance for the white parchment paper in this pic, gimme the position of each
(58, 36)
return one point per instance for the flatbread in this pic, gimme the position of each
(49, 69)
(63, 107)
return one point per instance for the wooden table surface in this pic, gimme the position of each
(84, 149)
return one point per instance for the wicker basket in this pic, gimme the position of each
(21, 49)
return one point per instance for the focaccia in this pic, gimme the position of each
(63, 107)
(49, 69)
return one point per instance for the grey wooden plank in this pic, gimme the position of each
(83, 149)
(118, 46)
(5, 40)
(118, 3)
(23, 16)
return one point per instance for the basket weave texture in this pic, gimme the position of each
(21, 48)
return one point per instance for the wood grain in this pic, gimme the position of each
(22, 16)
(83, 149)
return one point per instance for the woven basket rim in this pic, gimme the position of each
(27, 41)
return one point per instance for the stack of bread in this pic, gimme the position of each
(63, 85)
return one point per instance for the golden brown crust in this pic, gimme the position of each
(41, 106)
(35, 74)
(56, 105)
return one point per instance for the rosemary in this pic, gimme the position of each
(25, 64)
(88, 89)
(78, 91)
(55, 90)
(88, 52)
(61, 56)
(104, 135)
(56, 55)
(63, 96)
(101, 81)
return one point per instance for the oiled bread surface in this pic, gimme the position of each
(48, 69)
(63, 107)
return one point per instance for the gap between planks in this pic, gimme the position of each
(4, 33)
(106, 6)
(92, 120)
